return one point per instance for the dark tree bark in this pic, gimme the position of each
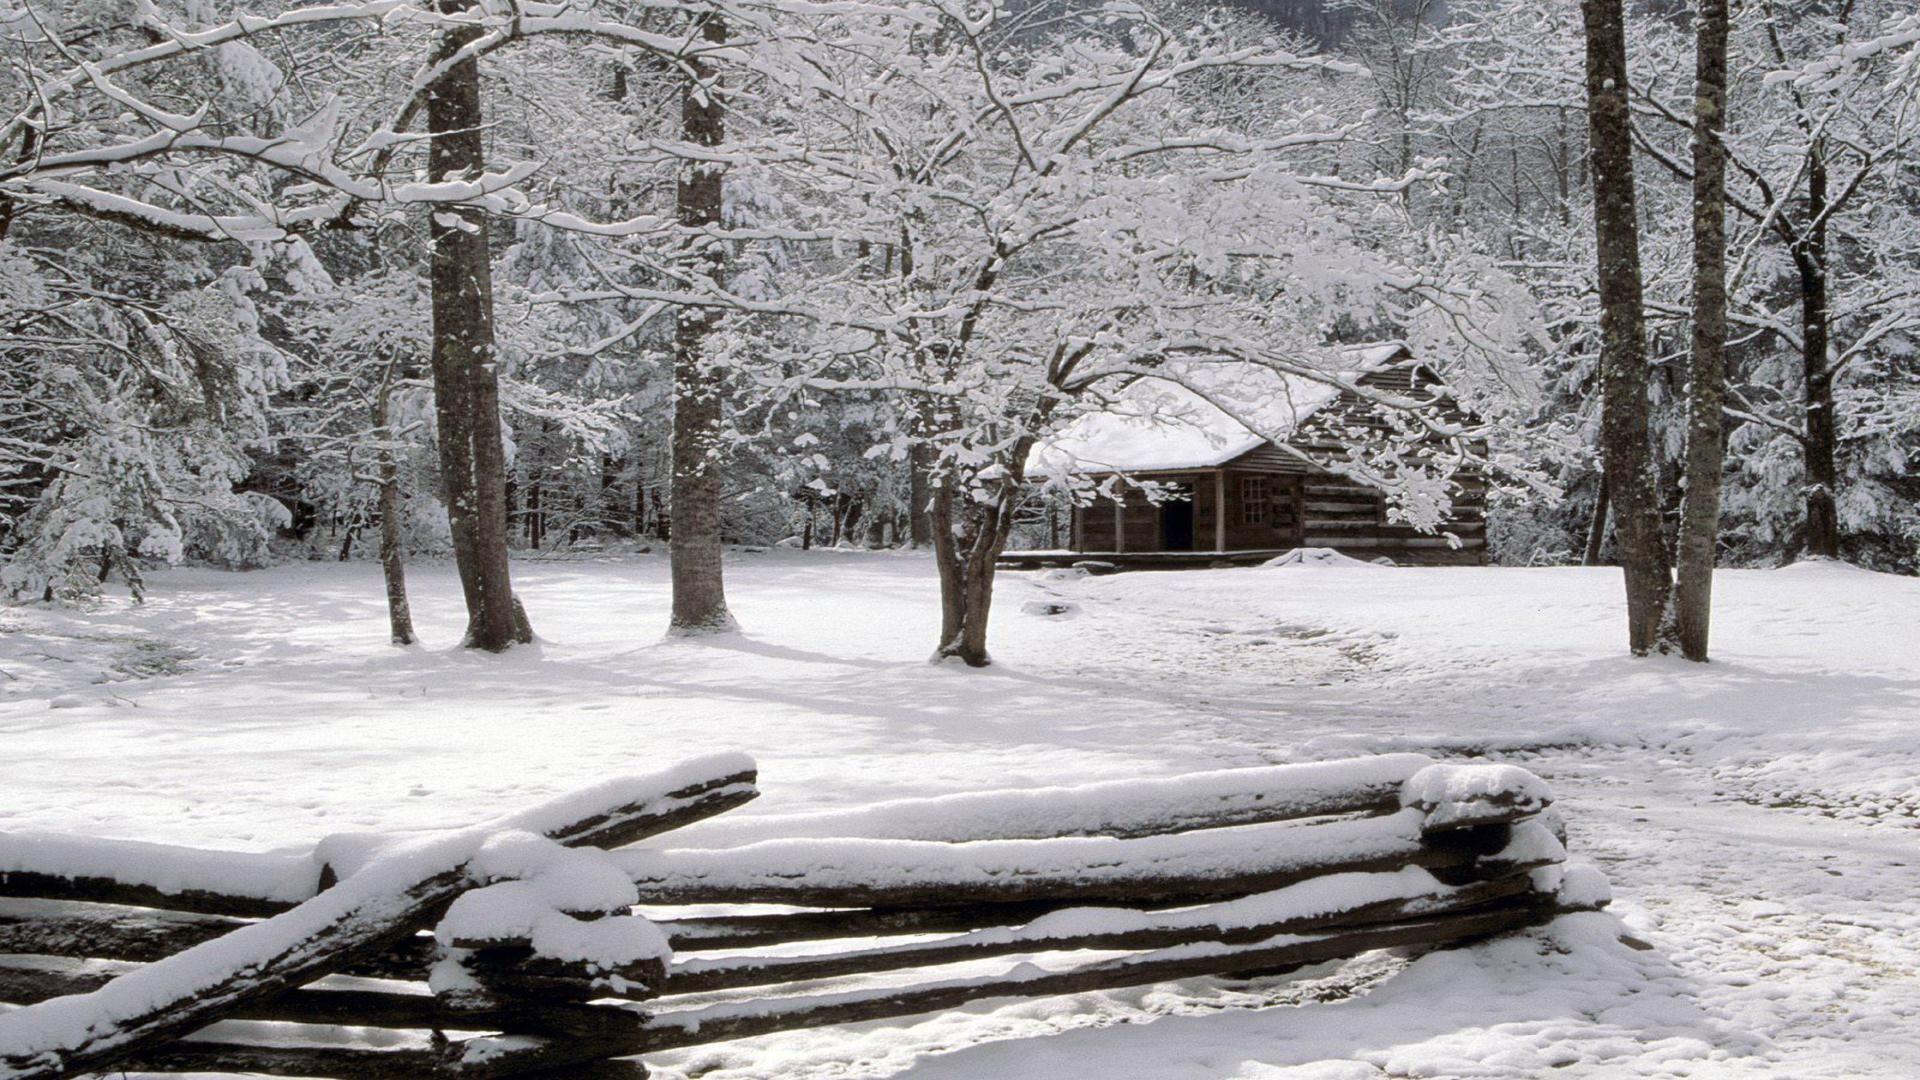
(968, 536)
(1818, 442)
(1633, 490)
(918, 494)
(465, 385)
(1706, 437)
(699, 591)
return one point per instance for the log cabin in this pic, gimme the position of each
(1191, 485)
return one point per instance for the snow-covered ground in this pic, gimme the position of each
(1759, 817)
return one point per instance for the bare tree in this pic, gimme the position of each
(699, 590)
(1706, 437)
(1631, 479)
(465, 382)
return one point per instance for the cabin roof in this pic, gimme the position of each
(1159, 425)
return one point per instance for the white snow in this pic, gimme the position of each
(1461, 794)
(1756, 817)
(167, 867)
(538, 888)
(1112, 807)
(1315, 556)
(1086, 861)
(1159, 424)
(373, 893)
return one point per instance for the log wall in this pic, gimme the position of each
(1308, 506)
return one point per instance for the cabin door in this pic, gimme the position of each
(1176, 519)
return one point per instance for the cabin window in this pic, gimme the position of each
(1254, 506)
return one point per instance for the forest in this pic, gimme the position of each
(958, 539)
(378, 280)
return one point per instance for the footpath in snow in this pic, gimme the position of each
(1759, 817)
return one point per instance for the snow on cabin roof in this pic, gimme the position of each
(1161, 425)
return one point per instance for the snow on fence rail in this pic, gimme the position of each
(142, 957)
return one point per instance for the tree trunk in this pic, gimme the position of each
(1562, 166)
(1597, 527)
(1706, 437)
(536, 514)
(1818, 442)
(393, 555)
(466, 387)
(968, 537)
(849, 524)
(919, 528)
(699, 592)
(1624, 409)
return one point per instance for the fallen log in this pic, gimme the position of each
(394, 895)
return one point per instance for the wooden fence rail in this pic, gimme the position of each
(138, 956)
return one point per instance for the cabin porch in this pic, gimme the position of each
(1201, 511)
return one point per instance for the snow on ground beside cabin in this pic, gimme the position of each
(1759, 818)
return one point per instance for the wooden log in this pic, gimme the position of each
(244, 883)
(525, 1057)
(696, 801)
(1119, 808)
(391, 898)
(1466, 796)
(28, 980)
(1457, 857)
(515, 971)
(1194, 867)
(726, 1022)
(216, 1056)
(1152, 932)
(751, 931)
(635, 981)
(78, 928)
(203, 881)
(108, 891)
(720, 1023)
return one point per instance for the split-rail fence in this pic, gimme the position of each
(514, 948)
